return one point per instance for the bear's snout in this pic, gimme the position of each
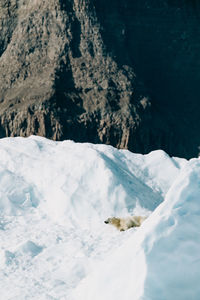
(106, 222)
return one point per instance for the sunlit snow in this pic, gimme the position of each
(54, 198)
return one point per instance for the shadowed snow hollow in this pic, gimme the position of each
(54, 198)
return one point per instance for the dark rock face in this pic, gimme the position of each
(124, 73)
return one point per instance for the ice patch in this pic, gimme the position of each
(16, 194)
(28, 249)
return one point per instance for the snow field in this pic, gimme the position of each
(54, 198)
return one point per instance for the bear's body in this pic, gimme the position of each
(126, 223)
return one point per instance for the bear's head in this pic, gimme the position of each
(113, 221)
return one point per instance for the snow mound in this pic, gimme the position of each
(161, 260)
(72, 181)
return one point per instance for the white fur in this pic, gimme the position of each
(126, 223)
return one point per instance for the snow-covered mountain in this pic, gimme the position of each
(54, 198)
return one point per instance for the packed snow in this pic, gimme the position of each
(54, 198)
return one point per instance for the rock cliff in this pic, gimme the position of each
(124, 73)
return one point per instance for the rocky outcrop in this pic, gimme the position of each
(57, 80)
(101, 72)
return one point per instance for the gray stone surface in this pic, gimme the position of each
(124, 73)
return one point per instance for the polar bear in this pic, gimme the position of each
(126, 223)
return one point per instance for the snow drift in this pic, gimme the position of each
(79, 181)
(54, 197)
(162, 259)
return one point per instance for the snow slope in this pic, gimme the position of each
(54, 197)
(162, 259)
